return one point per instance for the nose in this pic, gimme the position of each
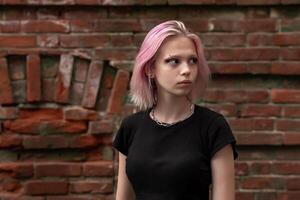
(185, 69)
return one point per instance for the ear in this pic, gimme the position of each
(149, 71)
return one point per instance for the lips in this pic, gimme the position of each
(185, 82)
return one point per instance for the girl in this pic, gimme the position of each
(173, 149)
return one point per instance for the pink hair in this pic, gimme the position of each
(142, 95)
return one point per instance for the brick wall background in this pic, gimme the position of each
(64, 72)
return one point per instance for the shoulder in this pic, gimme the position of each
(207, 114)
(134, 118)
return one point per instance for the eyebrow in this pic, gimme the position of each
(179, 56)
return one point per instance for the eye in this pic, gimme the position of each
(172, 61)
(194, 60)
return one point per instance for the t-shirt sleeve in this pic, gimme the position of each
(122, 137)
(219, 135)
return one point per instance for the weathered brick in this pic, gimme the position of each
(259, 139)
(17, 170)
(45, 142)
(102, 168)
(8, 113)
(79, 113)
(43, 26)
(77, 91)
(6, 95)
(10, 141)
(115, 53)
(17, 67)
(48, 90)
(81, 69)
(288, 125)
(50, 169)
(291, 111)
(83, 141)
(44, 127)
(46, 187)
(119, 90)
(260, 110)
(92, 186)
(285, 68)
(48, 40)
(18, 41)
(33, 78)
(117, 25)
(19, 88)
(92, 85)
(63, 79)
(248, 124)
(84, 41)
(80, 25)
(10, 26)
(100, 127)
(41, 114)
(224, 39)
(285, 95)
(49, 65)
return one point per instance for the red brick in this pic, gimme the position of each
(46, 187)
(262, 183)
(6, 95)
(289, 1)
(197, 25)
(83, 141)
(47, 13)
(259, 39)
(41, 114)
(121, 40)
(63, 79)
(10, 26)
(33, 78)
(17, 14)
(92, 85)
(85, 14)
(50, 169)
(215, 95)
(293, 184)
(285, 68)
(224, 109)
(45, 26)
(81, 69)
(285, 95)
(92, 186)
(79, 113)
(77, 90)
(258, 2)
(80, 26)
(119, 91)
(260, 25)
(94, 169)
(48, 40)
(290, 53)
(220, 40)
(45, 142)
(17, 67)
(44, 127)
(241, 169)
(262, 167)
(8, 112)
(227, 25)
(288, 125)
(18, 41)
(259, 139)
(100, 127)
(286, 168)
(10, 141)
(237, 54)
(117, 25)
(84, 41)
(248, 124)
(292, 39)
(17, 170)
(69, 197)
(48, 90)
(291, 111)
(260, 110)
(189, 2)
(115, 54)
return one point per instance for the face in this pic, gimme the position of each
(176, 66)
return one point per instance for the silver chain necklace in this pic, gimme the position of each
(170, 124)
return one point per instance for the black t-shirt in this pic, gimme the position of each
(172, 163)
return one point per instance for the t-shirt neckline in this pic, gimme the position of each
(174, 125)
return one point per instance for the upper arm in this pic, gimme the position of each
(124, 187)
(222, 169)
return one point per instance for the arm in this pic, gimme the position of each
(124, 187)
(222, 168)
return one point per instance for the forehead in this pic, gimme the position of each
(177, 45)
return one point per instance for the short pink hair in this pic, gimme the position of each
(141, 94)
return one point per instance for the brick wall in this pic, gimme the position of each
(64, 72)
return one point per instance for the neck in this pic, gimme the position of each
(171, 109)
